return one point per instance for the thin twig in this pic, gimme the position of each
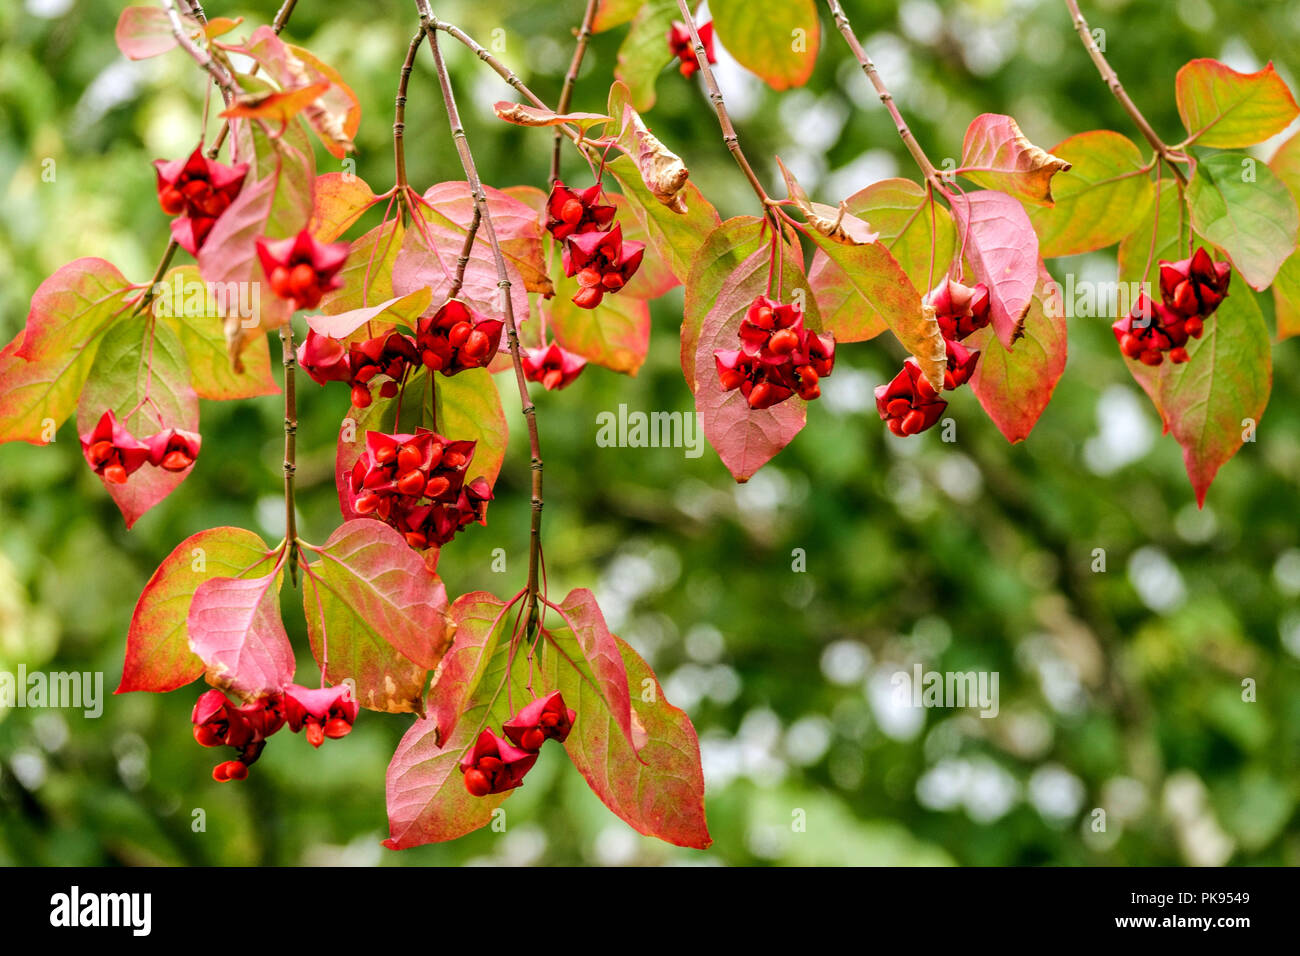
(571, 78)
(277, 25)
(290, 361)
(1112, 80)
(220, 75)
(399, 125)
(430, 24)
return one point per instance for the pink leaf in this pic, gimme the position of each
(143, 32)
(236, 630)
(1002, 248)
(403, 309)
(603, 673)
(476, 621)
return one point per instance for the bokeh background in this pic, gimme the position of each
(1120, 690)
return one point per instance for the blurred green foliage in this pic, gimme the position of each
(1120, 690)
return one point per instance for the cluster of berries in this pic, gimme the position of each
(416, 483)
(220, 722)
(777, 357)
(496, 765)
(910, 404)
(301, 269)
(552, 366)
(451, 340)
(679, 45)
(196, 191)
(594, 250)
(1190, 290)
(115, 454)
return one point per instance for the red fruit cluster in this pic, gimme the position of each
(594, 252)
(196, 191)
(115, 454)
(909, 404)
(679, 44)
(300, 268)
(1191, 290)
(777, 357)
(960, 310)
(551, 365)
(456, 338)
(219, 721)
(329, 360)
(496, 765)
(416, 483)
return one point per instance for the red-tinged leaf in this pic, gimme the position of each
(70, 308)
(745, 439)
(523, 115)
(660, 790)
(70, 313)
(655, 277)
(477, 620)
(229, 255)
(644, 52)
(1213, 400)
(376, 615)
(143, 32)
(724, 250)
(909, 226)
(516, 224)
(1226, 109)
(129, 368)
(674, 237)
(1141, 247)
(1098, 199)
(336, 116)
(997, 155)
(403, 310)
(776, 39)
(236, 630)
(884, 294)
(419, 265)
(615, 334)
(196, 313)
(1286, 286)
(1243, 208)
(277, 106)
(425, 790)
(158, 655)
(614, 13)
(1002, 250)
(468, 407)
(340, 200)
(581, 660)
(220, 26)
(1014, 387)
(367, 274)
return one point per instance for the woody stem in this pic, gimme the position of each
(290, 361)
(1112, 80)
(399, 125)
(570, 78)
(430, 25)
(928, 170)
(729, 136)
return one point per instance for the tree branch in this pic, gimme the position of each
(290, 361)
(399, 124)
(570, 78)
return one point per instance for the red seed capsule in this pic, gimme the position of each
(571, 212)
(476, 782)
(360, 396)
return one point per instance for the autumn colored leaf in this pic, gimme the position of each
(367, 273)
(340, 200)
(1243, 208)
(468, 406)
(144, 32)
(477, 620)
(1014, 387)
(404, 310)
(614, 13)
(644, 52)
(655, 277)
(376, 615)
(658, 791)
(145, 380)
(745, 439)
(674, 237)
(997, 155)
(1098, 199)
(522, 114)
(615, 334)
(158, 655)
(1002, 249)
(195, 312)
(1286, 286)
(909, 227)
(775, 39)
(1225, 109)
(44, 368)
(832, 222)
(276, 106)
(235, 629)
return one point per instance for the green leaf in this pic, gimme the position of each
(615, 334)
(644, 52)
(1286, 287)
(158, 655)
(190, 309)
(674, 237)
(145, 380)
(614, 13)
(898, 211)
(469, 408)
(367, 274)
(45, 367)
(775, 39)
(1226, 109)
(376, 615)
(1243, 208)
(1098, 199)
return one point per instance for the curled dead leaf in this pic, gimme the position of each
(935, 359)
(834, 222)
(523, 115)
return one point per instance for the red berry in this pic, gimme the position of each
(366, 504)
(476, 345)
(759, 394)
(1152, 357)
(1194, 326)
(1178, 355)
(784, 342)
(115, 474)
(411, 483)
(612, 281)
(431, 360)
(388, 389)
(532, 739)
(302, 281)
(360, 396)
(763, 318)
(552, 379)
(1130, 345)
(408, 458)
(898, 408)
(913, 422)
(476, 782)
(588, 297)
(458, 334)
(436, 486)
(453, 459)
(416, 540)
(172, 202)
(280, 282)
(176, 461)
(315, 734)
(571, 212)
